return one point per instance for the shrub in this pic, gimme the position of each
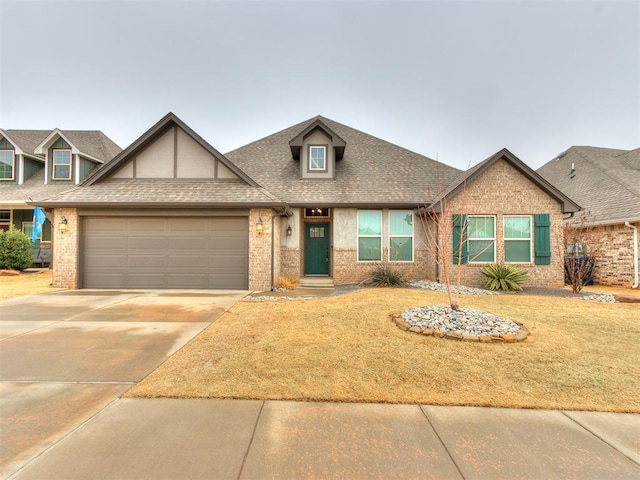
(15, 250)
(383, 275)
(503, 277)
(286, 283)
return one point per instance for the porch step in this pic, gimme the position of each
(316, 283)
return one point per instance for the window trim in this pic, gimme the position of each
(53, 164)
(29, 234)
(310, 168)
(390, 235)
(358, 237)
(470, 238)
(13, 164)
(530, 239)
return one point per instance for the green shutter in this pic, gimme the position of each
(542, 238)
(460, 235)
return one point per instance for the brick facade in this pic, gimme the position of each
(65, 249)
(260, 249)
(614, 261)
(503, 190)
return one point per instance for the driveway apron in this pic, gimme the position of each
(66, 356)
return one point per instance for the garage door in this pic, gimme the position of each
(173, 252)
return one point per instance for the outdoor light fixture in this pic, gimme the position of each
(289, 231)
(62, 225)
(259, 225)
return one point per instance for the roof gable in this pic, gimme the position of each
(158, 134)
(458, 185)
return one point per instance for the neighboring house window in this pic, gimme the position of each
(61, 164)
(401, 236)
(517, 239)
(317, 158)
(27, 229)
(5, 219)
(369, 236)
(7, 158)
(481, 239)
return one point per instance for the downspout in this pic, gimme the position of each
(635, 254)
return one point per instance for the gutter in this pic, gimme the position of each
(635, 254)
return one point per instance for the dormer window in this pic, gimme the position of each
(61, 164)
(317, 158)
(7, 167)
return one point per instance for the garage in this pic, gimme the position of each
(165, 252)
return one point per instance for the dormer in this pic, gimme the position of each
(65, 160)
(317, 148)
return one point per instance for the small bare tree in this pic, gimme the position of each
(582, 249)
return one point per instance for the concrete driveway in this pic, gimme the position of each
(65, 356)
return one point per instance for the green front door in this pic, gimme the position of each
(316, 249)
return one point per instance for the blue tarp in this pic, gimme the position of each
(38, 221)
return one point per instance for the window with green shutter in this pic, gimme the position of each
(460, 251)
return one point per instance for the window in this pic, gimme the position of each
(27, 229)
(401, 236)
(517, 239)
(369, 236)
(5, 219)
(61, 164)
(317, 158)
(481, 240)
(6, 164)
(316, 212)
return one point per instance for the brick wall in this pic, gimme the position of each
(260, 249)
(347, 269)
(290, 263)
(65, 249)
(614, 261)
(503, 190)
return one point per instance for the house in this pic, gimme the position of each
(606, 184)
(37, 164)
(318, 200)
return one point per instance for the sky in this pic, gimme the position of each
(452, 80)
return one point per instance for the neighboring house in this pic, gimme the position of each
(316, 200)
(36, 164)
(606, 184)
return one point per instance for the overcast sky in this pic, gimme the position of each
(452, 80)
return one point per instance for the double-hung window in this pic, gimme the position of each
(481, 239)
(61, 164)
(517, 239)
(369, 236)
(7, 159)
(401, 236)
(317, 158)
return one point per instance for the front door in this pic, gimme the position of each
(316, 249)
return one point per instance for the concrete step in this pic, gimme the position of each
(316, 283)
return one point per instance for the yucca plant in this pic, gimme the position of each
(383, 275)
(503, 277)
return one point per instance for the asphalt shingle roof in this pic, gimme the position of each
(605, 183)
(32, 189)
(157, 192)
(372, 170)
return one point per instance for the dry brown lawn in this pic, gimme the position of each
(27, 283)
(581, 355)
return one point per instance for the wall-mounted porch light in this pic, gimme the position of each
(259, 225)
(62, 225)
(289, 231)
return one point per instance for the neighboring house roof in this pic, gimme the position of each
(32, 189)
(371, 171)
(604, 181)
(458, 185)
(93, 143)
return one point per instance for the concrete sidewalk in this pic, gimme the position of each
(253, 439)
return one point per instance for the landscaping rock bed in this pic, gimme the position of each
(463, 324)
(441, 287)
